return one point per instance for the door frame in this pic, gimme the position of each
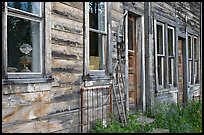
(140, 42)
(185, 69)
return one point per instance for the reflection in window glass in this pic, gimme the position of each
(170, 69)
(195, 48)
(23, 45)
(96, 51)
(97, 15)
(189, 47)
(160, 70)
(31, 7)
(170, 42)
(130, 36)
(189, 70)
(196, 72)
(159, 39)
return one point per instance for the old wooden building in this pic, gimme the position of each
(66, 64)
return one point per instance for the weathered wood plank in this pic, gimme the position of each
(64, 76)
(117, 16)
(62, 63)
(78, 5)
(118, 6)
(37, 110)
(65, 27)
(24, 88)
(67, 11)
(52, 123)
(73, 38)
(77, 52)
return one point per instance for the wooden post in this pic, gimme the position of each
(149, 51)
(185, 71)
(110, 47)
(126, 63)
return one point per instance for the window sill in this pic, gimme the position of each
(167, 90)
(96, 77)
(26, 81)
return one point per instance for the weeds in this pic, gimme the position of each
(167, 116)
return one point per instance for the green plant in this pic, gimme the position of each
(174, 117)
(179, 119)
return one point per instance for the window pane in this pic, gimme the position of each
(23, 45)
(159, 39)
(196, 78)
(189, 70)
(97, 15)
(170, 42)
(130, 35)
(195, 48)
(170, 69)
(96, 51)
(31, 7)
(160, 70)
(189, 47)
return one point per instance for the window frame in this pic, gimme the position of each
(45, 31)
(165, 56)
(196, 60)
(160, 55)
(172, 57)
(190, 59)
(104, 35)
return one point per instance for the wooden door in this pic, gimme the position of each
(132, 62)
(180, 68)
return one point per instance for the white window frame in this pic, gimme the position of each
(45, 37)
(173, 56)
(160, 86)
(86, 36)
(196, 60)
(190, 60)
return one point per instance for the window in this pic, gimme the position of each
(171, 54)
(96, 34)
(196, 60)
(189, 57)
(24, 44)
(165, 55)
(160, 52)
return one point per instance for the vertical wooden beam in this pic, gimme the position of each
(185, 71)
(4, 41)
(176, 76)
(85, 37)
(200, 57)
(126, 63)
(47, 47)
(192, 68)
(149, 56)
(110, 46)
(166, 64)
(143, 65)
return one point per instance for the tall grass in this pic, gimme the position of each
(168, 116)
(179, 119)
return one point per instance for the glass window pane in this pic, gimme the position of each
(195, 48)
(97, 15)
(130, 35)
(159, 39)
(170, 42)
(23, 45)
(189, 70)
(170, 68)
(31, 7)
(160, 70)
(196, 72)
(96, 51)
(189, 47)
